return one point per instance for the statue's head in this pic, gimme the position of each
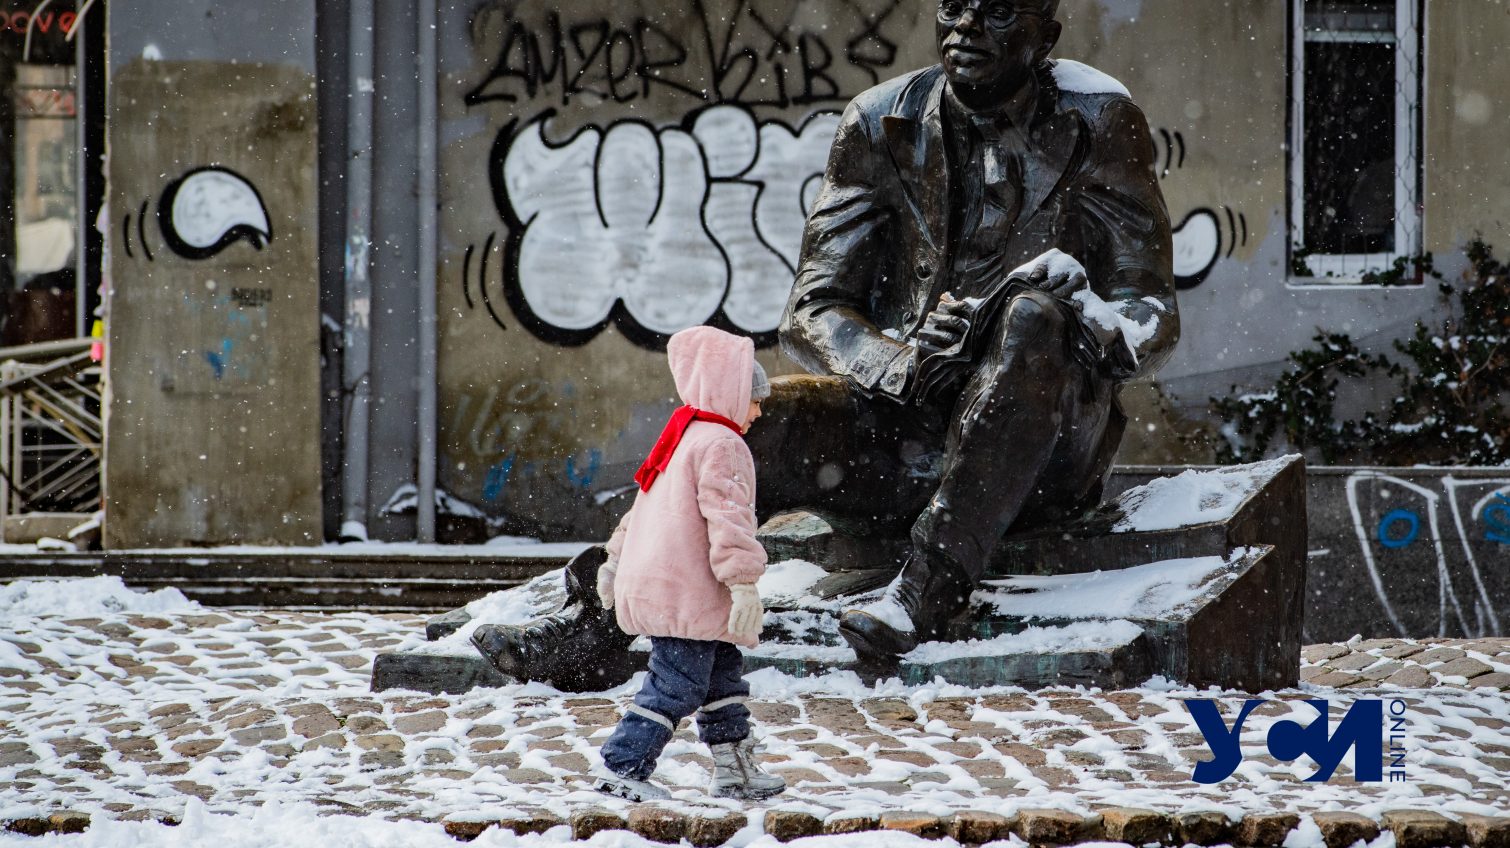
(990, 47)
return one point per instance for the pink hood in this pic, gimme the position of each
(692, 535)
(713, 370)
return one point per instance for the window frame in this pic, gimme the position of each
(1410, 77)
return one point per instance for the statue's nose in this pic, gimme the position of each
(969, 20)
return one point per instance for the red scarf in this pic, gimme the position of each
(665, 446)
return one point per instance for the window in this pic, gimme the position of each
(1355, 138)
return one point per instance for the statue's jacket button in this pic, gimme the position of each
(925, 269)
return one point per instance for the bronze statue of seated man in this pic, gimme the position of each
(988, 259)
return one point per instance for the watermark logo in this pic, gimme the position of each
(1362, 729)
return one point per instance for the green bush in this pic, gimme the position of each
(1449, 409)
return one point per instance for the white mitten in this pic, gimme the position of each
(606, 572)
(746, 615)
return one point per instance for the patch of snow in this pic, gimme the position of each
(888, 610)
(603, 497)
(789, 583)
(1055, 261)
(521, 603)
(1193, 497)
(93, 523)
(1307, 834)
(1097, 310)
(406, 499)
(1080, 78)
(835, 654)
(511, 541)
(84, 597)
(1154, 590)
(1080, 635)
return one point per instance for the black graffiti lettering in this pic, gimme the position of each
(505, 68)
(652, 64)
(747, 60)
(816, 58)
(587, 58)
(746, 57)
(620, 39)
(870, 50)
(544, 74)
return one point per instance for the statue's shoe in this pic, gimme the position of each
(492, 642)
(874, 641)
(575, 649)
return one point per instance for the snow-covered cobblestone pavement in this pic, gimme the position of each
(141, 712)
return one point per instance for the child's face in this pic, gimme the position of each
(750, 415)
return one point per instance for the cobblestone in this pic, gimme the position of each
(106, 738)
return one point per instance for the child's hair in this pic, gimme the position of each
(760, 385)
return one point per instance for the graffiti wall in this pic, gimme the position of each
(613, 173)
(213, 352)
(1401, 553)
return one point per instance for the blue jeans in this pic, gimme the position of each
(686, 676)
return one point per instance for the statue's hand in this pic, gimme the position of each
(1060, 282)
(1064, 283)
(944, 326)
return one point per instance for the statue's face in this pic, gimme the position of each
(990, 47)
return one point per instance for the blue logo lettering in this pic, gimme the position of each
(1361, 729)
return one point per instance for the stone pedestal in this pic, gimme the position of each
(1199, 578)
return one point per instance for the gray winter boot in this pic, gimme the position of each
(737, 773)
(628, 788)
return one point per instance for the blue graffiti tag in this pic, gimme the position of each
(1392, 517)
(584, 478)
(219, 359)
(1497, 516)
(497, 478)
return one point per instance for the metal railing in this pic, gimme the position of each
(51, 433)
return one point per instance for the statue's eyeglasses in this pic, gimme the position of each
(996, 14)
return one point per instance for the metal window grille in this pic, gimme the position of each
(1355, 145)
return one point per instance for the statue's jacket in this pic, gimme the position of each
(876, 252)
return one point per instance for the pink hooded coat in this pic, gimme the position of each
(690, 537)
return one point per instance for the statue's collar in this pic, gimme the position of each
(1019, 110)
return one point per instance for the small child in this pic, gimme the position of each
(681, 569)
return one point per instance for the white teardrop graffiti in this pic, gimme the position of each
(208, 209)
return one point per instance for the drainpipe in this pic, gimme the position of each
(357, 358)
(81, 93)
(428, 164)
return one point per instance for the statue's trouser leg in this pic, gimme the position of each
(1029, 431)
(822, 444)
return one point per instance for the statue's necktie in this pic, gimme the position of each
(1000, 161)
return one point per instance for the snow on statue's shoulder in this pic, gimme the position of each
(1080, 78)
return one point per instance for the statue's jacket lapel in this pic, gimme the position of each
(914, 138)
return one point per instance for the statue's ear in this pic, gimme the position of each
(1051, 30)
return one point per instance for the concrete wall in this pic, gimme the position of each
(213, 421)
(1401, 552)
(613, 171)
(1213, 76)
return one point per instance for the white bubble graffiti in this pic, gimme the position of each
(673, 224)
